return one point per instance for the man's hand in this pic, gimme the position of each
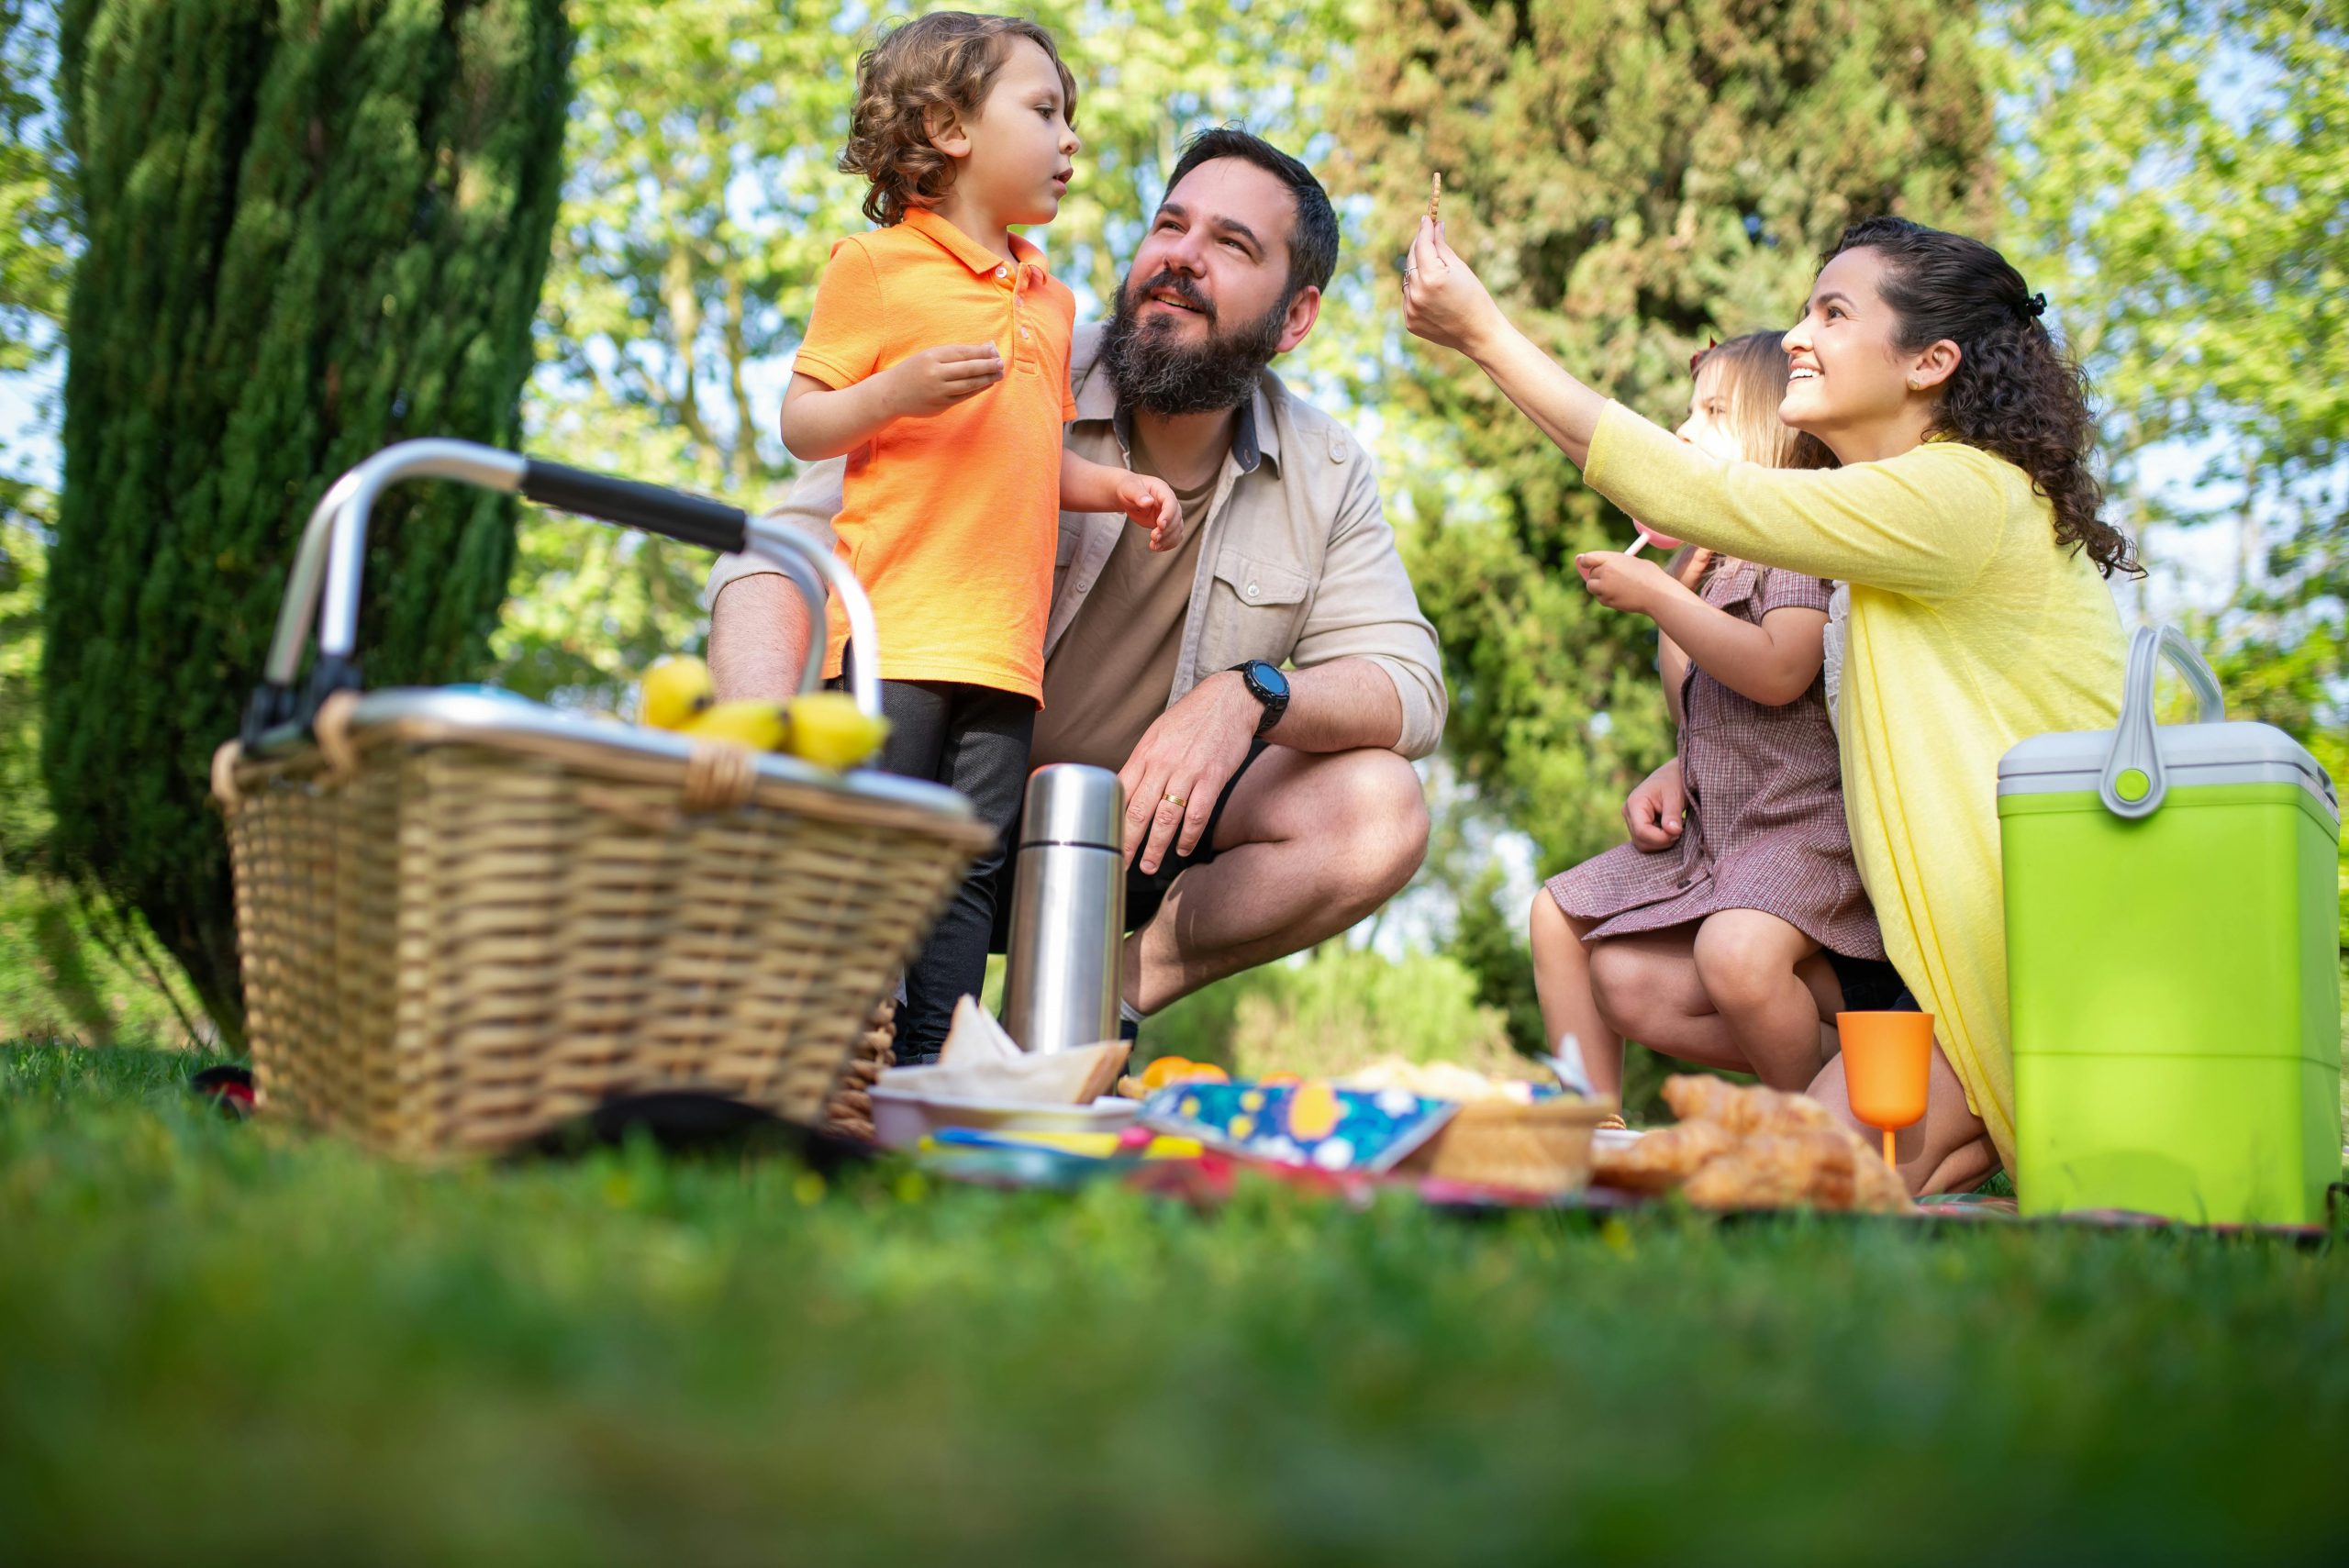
(1181, 765)
(1653, 810)
(937, 379)
(1149, 503)
(1622, 581)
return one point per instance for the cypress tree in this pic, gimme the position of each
(312, 228)
(1631, 180)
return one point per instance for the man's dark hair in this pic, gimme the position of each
(1313, 245)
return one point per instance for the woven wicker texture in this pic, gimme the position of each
(849, 1110)
(448, 947)
(1539, 1147)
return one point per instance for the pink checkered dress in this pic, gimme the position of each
(1765, 827)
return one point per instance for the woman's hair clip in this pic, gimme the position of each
(2035, 307)
(1698, 357)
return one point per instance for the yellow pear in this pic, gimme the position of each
(753, 722)
(674, 689)
(828, 730)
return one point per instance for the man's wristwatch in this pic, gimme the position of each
(1267, 685)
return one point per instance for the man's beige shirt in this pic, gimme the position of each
(1297, 563)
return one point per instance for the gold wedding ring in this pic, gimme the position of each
(1174, 800)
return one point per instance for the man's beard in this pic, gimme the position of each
(1155, 374)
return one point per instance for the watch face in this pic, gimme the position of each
(1268, 677)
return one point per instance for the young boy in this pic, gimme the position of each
(937, 358)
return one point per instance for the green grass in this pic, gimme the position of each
(221, 1341)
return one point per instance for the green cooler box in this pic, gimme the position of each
(2172, 938)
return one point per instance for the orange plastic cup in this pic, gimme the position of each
(1888, 1061)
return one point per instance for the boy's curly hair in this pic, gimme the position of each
(941, 62)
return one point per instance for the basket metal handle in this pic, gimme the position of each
(324, 583)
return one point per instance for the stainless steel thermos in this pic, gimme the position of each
(1068, 914)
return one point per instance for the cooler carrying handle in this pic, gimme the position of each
(2134, 780)
(324, 583)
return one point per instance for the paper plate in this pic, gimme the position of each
(901, 1120)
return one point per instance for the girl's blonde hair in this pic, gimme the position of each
(1753, 378)
(1753, 382)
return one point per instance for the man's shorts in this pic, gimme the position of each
(1146, 891)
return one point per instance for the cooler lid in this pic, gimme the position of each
(2193, 755)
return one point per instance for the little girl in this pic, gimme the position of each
(1761, 872)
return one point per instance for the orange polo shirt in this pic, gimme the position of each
(950, 521)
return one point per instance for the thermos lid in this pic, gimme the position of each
(1069, 803)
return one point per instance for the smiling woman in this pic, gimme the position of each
(1965, 517)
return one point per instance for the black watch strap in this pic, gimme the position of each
(1272, 693)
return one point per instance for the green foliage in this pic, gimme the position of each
(701, 203)
(2178, 171)
(35, 222)
(218, 1342)
(1631, 182)
(1336, 1009)
(310, 230)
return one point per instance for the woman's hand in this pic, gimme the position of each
(1444, 301)
(1654, 808)
(1623, 582)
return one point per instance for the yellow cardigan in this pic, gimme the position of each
(1970, 630)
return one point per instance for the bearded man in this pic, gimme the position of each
(1259, 692)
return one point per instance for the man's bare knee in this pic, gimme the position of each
(1378, 807)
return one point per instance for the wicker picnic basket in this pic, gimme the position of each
(465, 918)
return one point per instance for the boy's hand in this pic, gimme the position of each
(1150, 503)
(1622, 581)
(935, 380)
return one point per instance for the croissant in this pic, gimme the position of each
(1662, 1159)
(1755, 1148)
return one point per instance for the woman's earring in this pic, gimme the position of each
(1916, 385)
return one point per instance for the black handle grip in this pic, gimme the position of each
(694, 519)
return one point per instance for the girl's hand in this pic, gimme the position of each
(1654, 808)
(1444, 301)
(1150, 503)
(935, 380)
(1622, 581)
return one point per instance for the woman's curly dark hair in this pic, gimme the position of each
(941, 62)
(2012, 393)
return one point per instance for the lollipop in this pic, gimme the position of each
(1648, 536)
